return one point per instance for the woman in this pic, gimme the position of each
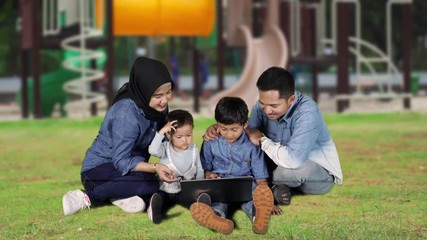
(116, 168)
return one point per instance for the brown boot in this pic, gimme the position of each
(264, 203)
(205, 216)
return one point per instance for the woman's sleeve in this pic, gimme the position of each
(124, 136)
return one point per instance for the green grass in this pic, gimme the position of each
(383, 157)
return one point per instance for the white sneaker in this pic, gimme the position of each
(133, 204)
(73, 201)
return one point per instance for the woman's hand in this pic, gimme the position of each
(211, 133)
(164, 173)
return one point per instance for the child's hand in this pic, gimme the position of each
(211, 175)
(168, 127)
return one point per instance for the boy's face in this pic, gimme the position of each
(231, 132)
(182, 137)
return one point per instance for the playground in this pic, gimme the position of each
(305, 37)
(373, 101)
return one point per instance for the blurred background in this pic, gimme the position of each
(67, 58)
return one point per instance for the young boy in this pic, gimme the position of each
(180, 155)
(233, 155)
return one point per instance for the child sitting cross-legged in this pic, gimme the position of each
(181, 156)
(234, 155)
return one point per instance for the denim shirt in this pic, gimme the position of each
(123, 138)
(300, 135)
(241, 158)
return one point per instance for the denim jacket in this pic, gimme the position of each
(300, 135)
(241, 158)
(123, 138)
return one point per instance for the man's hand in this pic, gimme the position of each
(254, 135)
(165, 173)
(211, 133)
(276, 210)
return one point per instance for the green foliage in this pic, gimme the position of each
(383, 196)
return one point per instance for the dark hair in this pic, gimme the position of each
(231, 110)
(182, 118)
(277, 78)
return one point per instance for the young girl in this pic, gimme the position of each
(180, 154)
(115, 168)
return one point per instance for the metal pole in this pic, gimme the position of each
(110, 53)
(24, 83)
(343, 54)
(196, 78)
(36, 59)
(406, 48)
(221, 46)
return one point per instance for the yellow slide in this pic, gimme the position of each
(163, 17)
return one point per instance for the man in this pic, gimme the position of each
(291, 131)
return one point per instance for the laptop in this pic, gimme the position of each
(234, 189)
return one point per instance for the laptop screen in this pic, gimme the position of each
(235, 189)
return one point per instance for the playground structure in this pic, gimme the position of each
(83, 27)
(264, 51)
(294, 32)
(303, 25)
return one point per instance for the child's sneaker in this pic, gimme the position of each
(263, 203)
(154, 211)
(205, 216)
(204, 198)
(133, 204)
(73, 201)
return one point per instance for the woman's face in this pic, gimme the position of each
(159, 100)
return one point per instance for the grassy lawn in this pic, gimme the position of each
(384, 195)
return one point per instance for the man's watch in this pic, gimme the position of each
(262, 139)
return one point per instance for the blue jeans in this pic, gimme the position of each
(105, 182)
(222, 208)
(310, 178)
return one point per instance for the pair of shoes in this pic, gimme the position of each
(205, 216)
(204, 198)
(154, 211)
(282, 194)
(133, 204)
(73, 201)
(263, 203)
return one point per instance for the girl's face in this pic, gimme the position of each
(182, 137)
(159, 100)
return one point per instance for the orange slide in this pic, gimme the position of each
(261, 53)
(163, 17)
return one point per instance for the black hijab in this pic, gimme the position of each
(146, 76)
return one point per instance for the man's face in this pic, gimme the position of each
(274, 106)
